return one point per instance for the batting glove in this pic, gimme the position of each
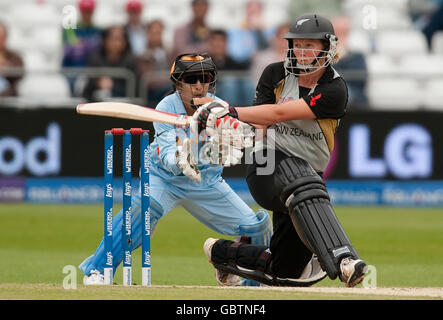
(219, 119)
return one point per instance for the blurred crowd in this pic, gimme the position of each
(240, 52)
(140, 48)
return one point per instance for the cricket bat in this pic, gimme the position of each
(136, 112)
(133, 112)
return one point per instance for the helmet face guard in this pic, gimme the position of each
(190, 68)
(311, 26)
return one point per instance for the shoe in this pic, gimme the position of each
(313, 271)
(352, 271)
(95, 278)
(223, 278)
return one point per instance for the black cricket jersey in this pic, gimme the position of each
(309, 139)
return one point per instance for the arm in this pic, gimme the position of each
(327, 101)
(271, 77)
(267, 114)
(166, 136)
(175, 151)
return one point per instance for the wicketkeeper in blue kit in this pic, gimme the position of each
(175, 180)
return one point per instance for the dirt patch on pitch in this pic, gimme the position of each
(382, 291)
(430, 292)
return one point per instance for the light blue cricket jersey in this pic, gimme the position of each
(164, 146)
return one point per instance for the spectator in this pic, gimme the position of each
(245, 41)
(80, 42)
(135, 29)
(8, 59)
(217, 47)
(155, 58)
(276, 52)
(435, 24)
(192, 36)
(352, 64)
(114, 53)
(231, 87)
(420, 11)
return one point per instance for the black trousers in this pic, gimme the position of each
(289, 255)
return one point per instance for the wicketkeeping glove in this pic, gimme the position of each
(185, 162)
(222, 153)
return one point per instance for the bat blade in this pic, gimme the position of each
(131, 111)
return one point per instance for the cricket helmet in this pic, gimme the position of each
(311, 26)
(190, 68)
(193, 63)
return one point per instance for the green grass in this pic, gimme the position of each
(37, 241)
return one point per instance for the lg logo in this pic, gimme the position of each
(41, 155)
(407, 153)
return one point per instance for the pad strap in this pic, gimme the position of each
(232, 253)
(299, 183)
(263, 260)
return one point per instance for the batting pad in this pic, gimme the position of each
(305, 195)
(318, 227)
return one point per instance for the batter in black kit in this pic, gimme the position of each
(302, 99)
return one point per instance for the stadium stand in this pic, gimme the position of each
(421, 66)
(360, 41)
(394, 94)
(437, 43)
(398, 58)
(44, 86)
(433, 95)
(400, 43)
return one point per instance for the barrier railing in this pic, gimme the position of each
(81, 75)
(139, 89)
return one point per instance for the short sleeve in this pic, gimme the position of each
(329, 100)
(264, 93)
